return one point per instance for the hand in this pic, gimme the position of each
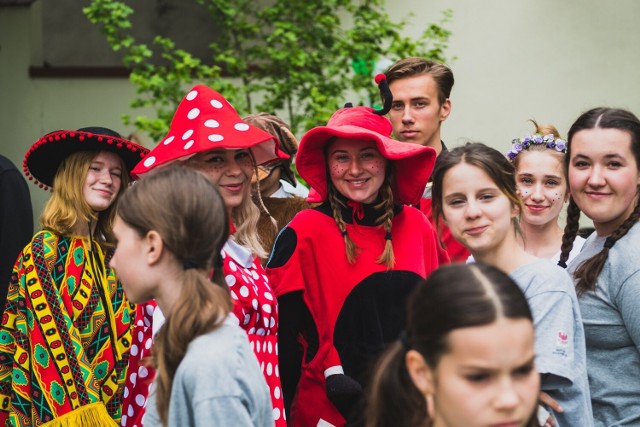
(344, 392)
(552, 404)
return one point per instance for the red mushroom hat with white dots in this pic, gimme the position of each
(42, 160)
(205, 121)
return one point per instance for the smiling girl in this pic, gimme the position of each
(207, 135)
(543, 188)
(603, 161)
(466, 359)
(474, 192)
(342, 271)
(66, 331)
(170, 230)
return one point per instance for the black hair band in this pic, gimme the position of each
(189, 263)
(387, 236)
(609, 242)
(404, 340)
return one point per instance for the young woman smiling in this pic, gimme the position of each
(342, 271)
(603, 161)
(67, 328)
(542, 186)
(474, 192)
(208, 135)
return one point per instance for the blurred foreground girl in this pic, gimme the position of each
(170, 228)
(466, 358)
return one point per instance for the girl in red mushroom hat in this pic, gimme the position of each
(66, 329)
(208, 135)
(343, 270)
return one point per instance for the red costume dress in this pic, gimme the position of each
(256, 309)
(343, 314)
(337, 317)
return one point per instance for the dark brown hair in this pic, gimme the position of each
(587, 273)
(185, 208)
(415, 66)
(490, 160)
(453, 297)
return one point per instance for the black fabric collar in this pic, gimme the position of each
(369, 211)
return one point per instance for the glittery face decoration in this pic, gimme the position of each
(542, 186)
(230, 170)
(356, 169)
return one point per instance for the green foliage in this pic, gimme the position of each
(300, 59)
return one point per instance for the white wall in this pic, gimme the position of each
(544, 59)
(517, 59)
(30, 108)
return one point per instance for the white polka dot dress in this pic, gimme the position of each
(139, 377)
(256, 309)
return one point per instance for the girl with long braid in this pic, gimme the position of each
(603, 161)
(343, 270)
(170, 229)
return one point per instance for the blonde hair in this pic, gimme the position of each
(245, 219)
(545, 129)
(67, 205)
(185, 208)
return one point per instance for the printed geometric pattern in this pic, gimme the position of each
(65, 334)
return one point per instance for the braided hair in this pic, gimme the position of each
(385, 219)
(604, 118)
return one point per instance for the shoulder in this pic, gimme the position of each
(627, 249)
(542, 275)
(221, 351)
(223, 354)
(413, 215)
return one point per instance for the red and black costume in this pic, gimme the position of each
(337, 317)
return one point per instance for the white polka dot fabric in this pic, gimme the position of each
(256, 310)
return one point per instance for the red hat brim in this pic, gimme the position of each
(204, 121)
(42, 160)
(413, 163)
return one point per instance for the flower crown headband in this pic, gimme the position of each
(527, 141)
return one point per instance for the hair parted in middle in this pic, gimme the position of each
(587, 273)
(491, 161)
(185, 208)
(453, 297)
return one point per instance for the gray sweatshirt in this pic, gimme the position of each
(218, 383)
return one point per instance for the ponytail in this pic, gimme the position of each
(393, 399)
(201, 308)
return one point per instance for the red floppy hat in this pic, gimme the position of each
(205, 121)
(413, 163)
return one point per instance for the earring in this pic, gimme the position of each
(431, 411)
